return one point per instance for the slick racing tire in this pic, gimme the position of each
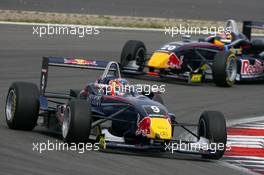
(133, 55)
(76, 126)
(22, 106)
(212, 126)
(224, 69)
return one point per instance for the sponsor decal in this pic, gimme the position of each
(80, 62)
(164, 134)
(143, 126)
(196, 78)
(174, 61)
(251, 70)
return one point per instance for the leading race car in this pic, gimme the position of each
(223, 58)
(117, 119)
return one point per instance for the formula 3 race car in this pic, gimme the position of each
(116, 119)
(224, 60)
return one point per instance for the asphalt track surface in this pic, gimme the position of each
(187, 9)
(20, 55)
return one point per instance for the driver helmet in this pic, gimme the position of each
(118, 87)
(222, 39)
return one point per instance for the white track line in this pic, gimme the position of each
(245, 137)
(101, 27)
(251, 161)
(74, 25)
(246, 158)
(249, 127)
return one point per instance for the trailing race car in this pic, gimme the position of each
(223, 58)
(117, 119)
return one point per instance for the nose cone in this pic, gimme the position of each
(155, 128)
(159, 60)
(161, 129)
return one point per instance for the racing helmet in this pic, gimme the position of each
(222, 39)
(118, 87)
(105, 80)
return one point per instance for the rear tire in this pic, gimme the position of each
(224, 69)
(22, 106)
(134, 51)
(77, 122)
(212, 125)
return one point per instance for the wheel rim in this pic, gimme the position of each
(231, 69)
(66, 122)
(10, 105)
(202, 130)
(138, 62)
(140, 55)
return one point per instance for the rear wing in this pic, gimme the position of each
(248, 25)
(74, 63)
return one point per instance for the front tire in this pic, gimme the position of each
(224, 69)
(133, 55)
(76, 126)
(212, 126)
(22, 106)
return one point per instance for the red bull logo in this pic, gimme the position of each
(80, 61)
(248, 69)
(144, 126)
(174, 61)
